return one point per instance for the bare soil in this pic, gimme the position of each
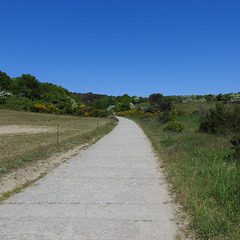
(19, 177)
(15, 129)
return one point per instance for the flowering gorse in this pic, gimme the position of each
(44, 108)
(87, 111)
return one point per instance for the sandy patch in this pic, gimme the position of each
(18, 177)
(15, 129)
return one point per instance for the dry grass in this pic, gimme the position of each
(20, 147)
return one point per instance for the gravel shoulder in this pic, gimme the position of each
(112, 190)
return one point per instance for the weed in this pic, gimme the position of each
(3, 170)
(173, 126)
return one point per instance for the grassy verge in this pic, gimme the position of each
(18, 149)
(204, 181)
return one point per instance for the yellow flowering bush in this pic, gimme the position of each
(88, 111)
(84, 111)
(136, 113)
(44, 108)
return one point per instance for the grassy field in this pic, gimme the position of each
(193, 107)
(203, 180)
(18, 148)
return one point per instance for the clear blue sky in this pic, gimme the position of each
(138, 47)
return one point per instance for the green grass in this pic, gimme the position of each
(193, 107)
(143, 106)
(204, 181)
(23, 148)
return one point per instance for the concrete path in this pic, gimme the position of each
(112, 190)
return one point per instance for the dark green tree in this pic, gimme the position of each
(27, 86)
(160, 103)
(5, 81)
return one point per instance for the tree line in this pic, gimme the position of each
(21, 93)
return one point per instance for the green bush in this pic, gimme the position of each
(235, 141)
(223, 119)
(18, 103)
(164, 118)
(214, 120)
(173, 126)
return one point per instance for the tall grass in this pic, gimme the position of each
(204, 180)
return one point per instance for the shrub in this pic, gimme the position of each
(18, 103)
(233, 98)
(173, 126)
(87, 111)
(44, 108)
(214, 120)
(4, 95)
(164, 118)
(168, 116)
(223, 119)
(235, 141)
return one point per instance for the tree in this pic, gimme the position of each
(28, 86)
(57, 95)
(160, 103)
(5, 81)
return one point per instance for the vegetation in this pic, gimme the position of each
(204, 176)
(29, 147)
(21, 93)
(160, 103)
(196, 136)
(28, 94)
(223, 119)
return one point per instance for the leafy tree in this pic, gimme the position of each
(123, 103)
(28, 86)
(160, 103)
(89, 98)
(5, 81)
(57, 95)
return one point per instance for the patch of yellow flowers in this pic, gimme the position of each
(44, 108)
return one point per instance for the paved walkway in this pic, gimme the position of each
(110, 191)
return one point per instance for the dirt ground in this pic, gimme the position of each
(21, 132)
(15, 129)
(17, 178)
